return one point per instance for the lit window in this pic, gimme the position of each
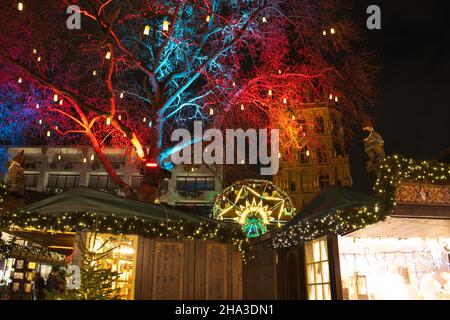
(317, 270)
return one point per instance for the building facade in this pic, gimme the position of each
(321, 162)
(57, 169)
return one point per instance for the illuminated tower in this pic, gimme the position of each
(321, 162)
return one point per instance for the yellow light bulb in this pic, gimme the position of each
(55, 98)
(108, 121)
(20, 6)
(270, 92)
(49, 133)
(146, 30)
(108, 55)
(165, 26)
(208, 18)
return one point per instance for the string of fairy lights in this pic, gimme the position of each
(79, 221)
(391, 171)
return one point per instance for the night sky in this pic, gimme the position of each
(412, 109)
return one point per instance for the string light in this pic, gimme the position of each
(59, 157)
(108, 55)
(211, 111)
(84, 160)
(146, 30)
(37, 105)
(324, 33)
(285, 100)
(208, 18)
(270, 92)
(331, 97)
(264, 19)
(20, 6)
(39, 59)
(92, 157)
(55, 98)
(108, 121)
(242, 107)
(332, 31)
(34, 51)
(120, 117)
(19, 81)
(94, 73)
(121, 95)
(49, 133)
(165, 26)
(144, 120)
(336, 99)
(61, 102)
(40, 121)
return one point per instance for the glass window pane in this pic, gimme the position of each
(325, 272)
(316, 250)
(319, 292)
(326, 292)
(318, 271)
(312, 293)
(323, 249)
(311, 274)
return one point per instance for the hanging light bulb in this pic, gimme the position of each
(234, 84)
(19, 81)
(270, 92)
(56, 127)
(280, 72)
(264, 19)
(108, 55)
(40, 121)
(92, 157)
(61, 102)
(121, 95)
(144, 120)
(150, 124)
(324, 32)
(55, 98)
(37, 105)
(332, 31)
(211, 111)
(336, 99)
(20, 6)
(208, 18)
(34, 51)
(146, 30)
(242, 107)
(331, 97)
(108, 121)
(84, 160)
(285, 100)
(49, 133)
(59, 156)
(120, 117)
(94, 73)
(308, 153)
(39, 59)
(165, 26)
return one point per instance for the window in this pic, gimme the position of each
(304, 155)
(120, 257)
(195, 184)
(101, 182)
(319, 125)
(63, 181)
(321, 156)
(317, 270)
(31, 181)
(324, 180)
(136, 182)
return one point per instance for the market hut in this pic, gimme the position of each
(345, 245)
(161, 253)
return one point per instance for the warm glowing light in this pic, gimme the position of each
(55, 98)
(332, 31)
(61, 102)
(270, 92)
(285, 100)
(108, 55)
(92, 157)
(308, 153)
(264, 19)
(331, 97)
(208, 18)
(336, 99)
(49, 133)
(39, 59)
(242, 107)
(146, 30)
(108, 121)
(59, 156)
(19, 81)
(293, 117)
(20, 6)
(94, 73)
(37, 105)
(121, 95)
(40, 121)
(280, 72)
(35, 51)
(120, 117)
(144, 120)
(165, 26)
(137, 145)
(84, 160)
(211, 111)
(324, 32)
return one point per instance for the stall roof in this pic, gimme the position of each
(328, 201)
(105, 204)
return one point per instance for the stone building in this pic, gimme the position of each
(321, 162)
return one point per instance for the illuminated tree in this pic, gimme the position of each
(138, 69)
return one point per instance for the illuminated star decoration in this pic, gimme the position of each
(255, 205)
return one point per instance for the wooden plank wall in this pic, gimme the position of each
(187, 270)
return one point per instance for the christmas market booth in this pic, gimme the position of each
(157, 252)
(394, 245)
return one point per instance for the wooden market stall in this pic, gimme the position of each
(160, 253)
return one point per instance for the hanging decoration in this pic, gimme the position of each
(391, 171)
(255, 205)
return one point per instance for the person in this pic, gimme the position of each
(52, 282)
(39, 286)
